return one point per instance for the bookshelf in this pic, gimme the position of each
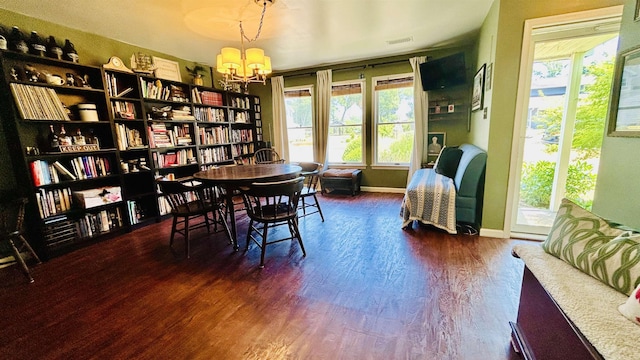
(121, 131)
(59, 131)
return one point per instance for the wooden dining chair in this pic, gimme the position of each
(12, 233)
(309, 201)
(269, 205)
(193, 206)
(267, 156)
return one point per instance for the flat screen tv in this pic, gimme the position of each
(444, 72)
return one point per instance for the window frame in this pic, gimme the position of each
(374, 122)
(310, 88)
(361, 164)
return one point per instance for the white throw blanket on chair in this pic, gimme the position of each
(431, 199)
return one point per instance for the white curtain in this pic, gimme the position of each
(421, 110)
(322, 117)
(279, 128)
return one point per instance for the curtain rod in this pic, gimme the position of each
(352, 67)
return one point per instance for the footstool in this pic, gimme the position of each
(341, 179)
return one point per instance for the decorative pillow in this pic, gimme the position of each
(576, 233)
(448, 160)
(617, 263)
(631, 308)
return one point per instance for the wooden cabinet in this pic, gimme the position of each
(123, 129)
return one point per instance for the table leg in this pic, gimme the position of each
(232, 217)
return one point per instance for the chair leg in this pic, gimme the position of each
(173, 230)
(249, 235)
(318, 205)
(264, 245)
(225, 225)
(20, 260)
(294, 224)
(187, 243)
(304, 207)
(26, 244)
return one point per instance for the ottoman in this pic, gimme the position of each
(341, 179)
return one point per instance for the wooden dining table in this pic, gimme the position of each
(231, 178)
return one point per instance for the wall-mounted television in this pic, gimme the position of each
(444, 72)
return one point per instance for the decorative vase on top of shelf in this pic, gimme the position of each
(195, 72)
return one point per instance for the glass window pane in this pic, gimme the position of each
(300, 144)
(395, 142)
(345, 144)
(394, 115)
(299, 107)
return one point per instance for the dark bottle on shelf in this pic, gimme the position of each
(63, 138)
(17, 41)
(36, 45)
(53, 138)
(78, 138)
(53, 49)
(69, 51)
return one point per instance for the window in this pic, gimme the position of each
(299, 106)
(394, 120)
(346, 123)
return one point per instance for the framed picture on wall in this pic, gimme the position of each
(436, 141)
(478, 89)
(624, 113)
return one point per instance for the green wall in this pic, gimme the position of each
(618, 188)
(508, 43)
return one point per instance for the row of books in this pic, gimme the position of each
(54, 201)
(242, 149)
(155, 89)
(103, 221)
(214, 135)
(135, 212)
(160, 136)
(206, 97)
(81, 167)
(182, 113)
(128, 138)
(174, 158)
(209, 114)
(113, 88)
(240, 116)
(124, 110)
(241, 102)
(214, 155)
(241, 135)
(38, 103)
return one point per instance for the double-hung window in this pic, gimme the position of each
(394, 120)
(299, 107)
(345, 143)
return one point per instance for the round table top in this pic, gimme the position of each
(249, 173)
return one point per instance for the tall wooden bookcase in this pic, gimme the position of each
(145, 127)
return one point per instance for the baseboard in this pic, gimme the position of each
(493, 233)
(382, 189)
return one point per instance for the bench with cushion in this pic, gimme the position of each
(341, 179)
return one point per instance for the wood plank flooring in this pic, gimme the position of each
(366, 290)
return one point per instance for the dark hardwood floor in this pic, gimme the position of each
(366, 290)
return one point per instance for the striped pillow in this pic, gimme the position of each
(576, 234)
(617, 263)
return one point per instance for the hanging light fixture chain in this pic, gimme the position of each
(264, 8)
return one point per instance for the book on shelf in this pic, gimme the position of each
(38, 102)
(124, 92)
(64, 171)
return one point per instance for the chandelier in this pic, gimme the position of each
(245, 66)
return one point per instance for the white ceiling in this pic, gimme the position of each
(296, 33)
